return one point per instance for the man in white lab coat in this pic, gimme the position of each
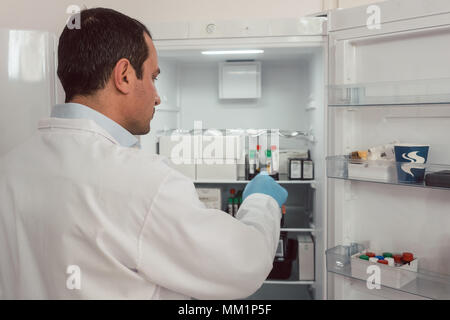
(86, 214)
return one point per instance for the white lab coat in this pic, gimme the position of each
(134, 227)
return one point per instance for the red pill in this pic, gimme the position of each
(370, 254)
(383, 261)
(398, 258)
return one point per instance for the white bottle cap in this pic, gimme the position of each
(390, 261)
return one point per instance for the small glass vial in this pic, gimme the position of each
(283, 213)
(235, 206)
(230, 206)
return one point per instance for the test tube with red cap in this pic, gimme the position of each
(257, 158)
(283, 213)
(275, 167)
(231, 202)
(398, 260)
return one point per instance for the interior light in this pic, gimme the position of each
(233, 52)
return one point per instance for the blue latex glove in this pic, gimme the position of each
(263, 183)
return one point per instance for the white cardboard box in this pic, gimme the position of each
(171, 146)
(211, 172)
(305, 257)
(211, 197)
(223, 147)
(205, 146)
(394, 277)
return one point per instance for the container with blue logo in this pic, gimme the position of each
(410, 161)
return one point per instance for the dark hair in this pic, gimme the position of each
(88, 55)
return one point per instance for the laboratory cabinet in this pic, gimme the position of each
(350, 87)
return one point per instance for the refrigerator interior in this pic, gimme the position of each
(292, 98)
(390, 85)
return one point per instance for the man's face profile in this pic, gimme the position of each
(145, 96)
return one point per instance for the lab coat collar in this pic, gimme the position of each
(79, 111)
(76, 124)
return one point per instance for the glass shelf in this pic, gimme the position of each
(422, 283)
(283, 180)
(289, 282)
(237, 132)
(297, 230)
(412, 92)
(377, 171)
(247, 181)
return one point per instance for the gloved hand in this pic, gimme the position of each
(263, 183)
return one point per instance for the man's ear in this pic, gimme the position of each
(123, 75)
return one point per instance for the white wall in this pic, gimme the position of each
(285, 88)
(26, 74)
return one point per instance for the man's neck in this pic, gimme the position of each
(108, 109)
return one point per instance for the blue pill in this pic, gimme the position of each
(380, 257)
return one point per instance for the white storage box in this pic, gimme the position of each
(211, 197)
(208, 147)
(212, 172)
(372, 170)
(394, 277)
(223, 147)
(177, 146)
(305, 258)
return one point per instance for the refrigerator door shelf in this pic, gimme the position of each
(410, 92)
(421, 283)
(393, 277)
(378, 171)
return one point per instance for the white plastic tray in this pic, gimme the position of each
(395, 277)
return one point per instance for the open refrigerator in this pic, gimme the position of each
(291, 104)
(343, 85)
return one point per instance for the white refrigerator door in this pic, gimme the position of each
(27, 77)
(389, 82)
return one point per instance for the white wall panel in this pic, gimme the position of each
(286, 89)
(27, 84)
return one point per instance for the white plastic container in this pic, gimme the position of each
(213, 172)
(187, 146)
(394, 277)
(305, 257)
(211, 197)
(372, 170)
